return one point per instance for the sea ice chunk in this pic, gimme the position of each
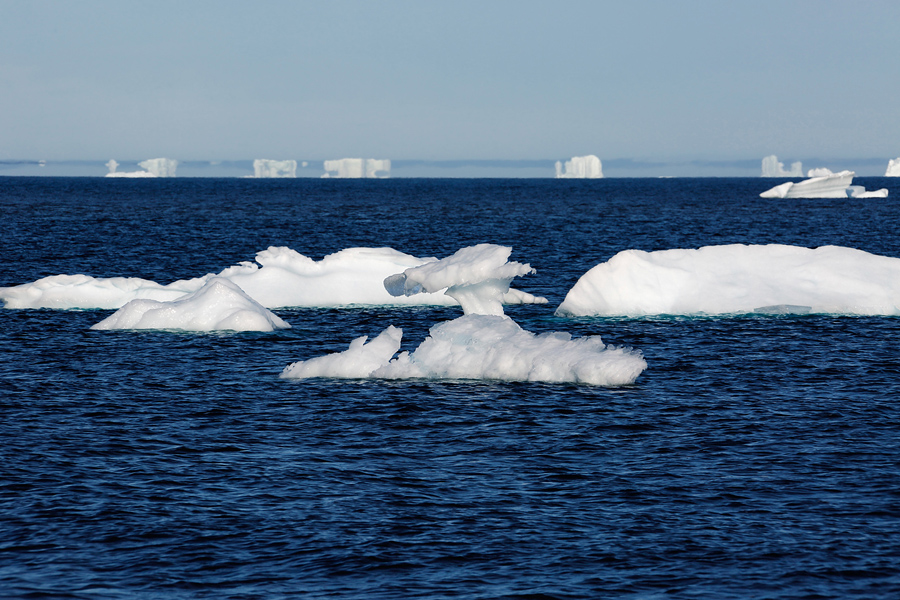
(737, 279)
(580, 167)
(772, 168)
(358, 168)
(482, 347)
(832, 185)
(267, 168)
(218, 305)
(160, 167)
(893, 168)
(477, 277)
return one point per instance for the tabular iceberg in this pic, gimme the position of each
(483, 343)
(280, 277)
(738, 279)
(893, 168)
(357, 168)
(580, 167)
(154, 167)
(267, 168)
(772, 168)
(218, 305)
(823, 184)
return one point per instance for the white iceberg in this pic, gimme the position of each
(357, 168)
(738, 279)
(772, 168)
(893, 168)
(267, 168)
(819, 172)
(483, 344)
(154, 167)
(280, 277)
(827, 185)
(218, 305)
(580, 167)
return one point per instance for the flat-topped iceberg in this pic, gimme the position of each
(218, 305)
(772, 168)
(483, 344)
(893, 168)
(153, 167)
(824, 185)
(580, 167)
(280, 277)
(738, 279)
(264, 168)
(358, 168)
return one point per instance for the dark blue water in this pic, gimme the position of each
(757, 457)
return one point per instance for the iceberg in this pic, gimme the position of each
(819, 172)
(772, 168)
(580, 167)
(738, 279)
(266, 168)
(893, 168)
(218, 305)
(357, 168)
(483, 344)
(827, 185)
(160, 167)
(154, 167)
(280, 277)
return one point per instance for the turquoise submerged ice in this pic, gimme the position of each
(483, 344)
(736, 279)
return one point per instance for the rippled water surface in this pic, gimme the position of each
(756, 457)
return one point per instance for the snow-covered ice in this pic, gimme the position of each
(580, 167)
(827, 185)
(483, 343)
(218, 305)
(267, 168)
(280, 277)
(893, 168)
(738, 279)
(772, 168)
(358, 168)
(477, 277)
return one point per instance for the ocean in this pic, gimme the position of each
(758, 456)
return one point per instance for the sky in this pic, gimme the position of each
(644, 80)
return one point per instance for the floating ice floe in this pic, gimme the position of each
(772, 168)
(154, 167)
(893, 168)
(475, 346)
(280, 277)
(738, 279)
(357, 168)
(825, 185)
(218, 305)
(266, 168)
(580, 167)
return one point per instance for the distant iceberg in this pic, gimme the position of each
(580, 167)
(819, 172)
(827, 185)
(267, 168)
(153, 167)
(218, 305)
(738, 279)
(280, 277)
(893, 168)
(483, 344)
(772, 168)
(357, 168)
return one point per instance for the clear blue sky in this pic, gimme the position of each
(219, 80)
